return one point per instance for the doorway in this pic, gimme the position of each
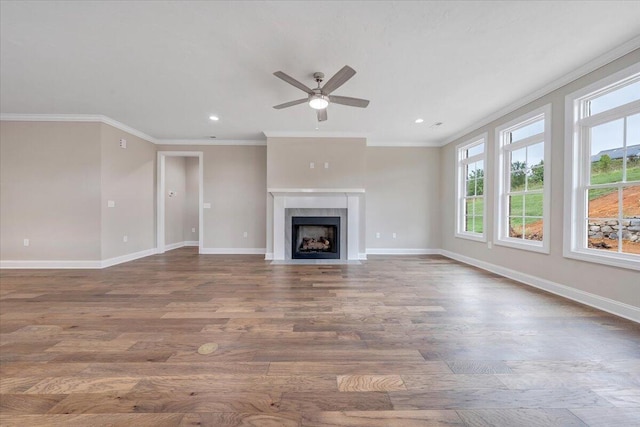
(179, 200)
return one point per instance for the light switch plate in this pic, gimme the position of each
(111, 203)
(206, 205)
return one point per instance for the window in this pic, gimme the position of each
(470, 218)
(522, 205)
(602, 166)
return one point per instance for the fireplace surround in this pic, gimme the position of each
(287, 203)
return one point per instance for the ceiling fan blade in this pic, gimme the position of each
(338, 79)
(293, 82)
(290, 104)
(347, 100)
(322, 115)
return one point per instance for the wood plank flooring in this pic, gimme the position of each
(183, 340)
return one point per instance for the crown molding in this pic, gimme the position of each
(385, 143)
(244, 142)
(587, 68)
(93, 118)
(313, 134)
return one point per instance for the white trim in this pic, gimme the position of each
(574, 244)
(362, 256)
(268, 256)
(587, 68)
(46, 264)
(173, 246)
(233, 251)
(96, 118)
(256, 142)
(160, 184)
(315, 190)
(503, 169)
(126, 258)
(49, 264)
(601, 303)
(402, 251)
(460, 181)
(316, 134)
(391, 143)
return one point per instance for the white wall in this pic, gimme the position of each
(613, 283)
(191, 199)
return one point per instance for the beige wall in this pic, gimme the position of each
(50, 191)
(128, 178)
(175, 206)
(288, 162)
(615, 283)
(235, 185)
(192, 194)
(402, 197)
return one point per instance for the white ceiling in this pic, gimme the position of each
(164, 67)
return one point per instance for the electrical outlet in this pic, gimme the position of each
(377, 235)
(312, 165)
(111, 203)
(245, 234)
(326, 165)
(25, 242)
(125, 238)
(394, 235)
(193, 229)
(489, 244)
(206, 205)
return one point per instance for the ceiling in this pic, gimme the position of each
(164, 67)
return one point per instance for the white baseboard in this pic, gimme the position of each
(268, 256)
(233, 251)
(601, 303)
(362, 256)
(173, 246)
(126, 258)
(76, 264)
(402, 251)
(50, 264)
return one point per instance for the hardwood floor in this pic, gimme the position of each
(184, 340)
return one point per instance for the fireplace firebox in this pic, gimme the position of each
(315, 237)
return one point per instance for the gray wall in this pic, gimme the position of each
(235, 185)
(128, 178)
(288, 162)
(610, 282)
(191, 200)
(50, 191)
(175, 206)
(402, 197)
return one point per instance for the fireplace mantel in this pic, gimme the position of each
(317, 198)
(314, 192)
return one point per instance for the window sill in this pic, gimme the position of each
(615, 259)
(519, 244)
(475, 237)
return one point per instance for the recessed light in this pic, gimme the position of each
(214, 118)
(419, 120)
(212, 137)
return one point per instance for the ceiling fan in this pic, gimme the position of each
(320, 97)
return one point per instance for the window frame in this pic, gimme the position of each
(461, 163)
(577, 168)
(503, 179)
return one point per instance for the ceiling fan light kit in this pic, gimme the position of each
(319, 98)
(318, 102)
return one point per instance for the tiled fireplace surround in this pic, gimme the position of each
(343, 202)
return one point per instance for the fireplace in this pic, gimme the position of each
(315, 237)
